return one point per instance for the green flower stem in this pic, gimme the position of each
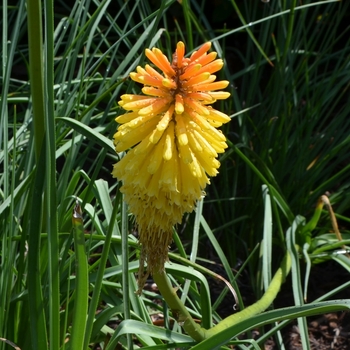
(310, 226)
(262, 304)
(177, 307)
(198, 333)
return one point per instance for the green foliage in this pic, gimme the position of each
(289, 69)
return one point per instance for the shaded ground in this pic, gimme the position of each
(329, 331)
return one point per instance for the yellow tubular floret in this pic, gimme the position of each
(169, 142)
(127, 117)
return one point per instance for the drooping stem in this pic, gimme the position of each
(262, 304)
(177, 307)
(198, 333)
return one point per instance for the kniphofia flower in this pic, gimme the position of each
(172, 143)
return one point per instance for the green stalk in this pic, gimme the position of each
(290, 30)
(36, 72)
(37, 320)
(177, 307)
(261, 305)
(199, 333)
(36, 303)
(187, 12)
(125, 277)
(50, 191)
(252, 37)
(100, 275)
(81, 283)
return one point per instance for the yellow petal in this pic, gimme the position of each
(196, 106)
(156, 158)
(205, 59)
(207, 149)
(200, 78)
(202, 50)
(153, 187)
(169, 142)
(209, 164)
(163, 61)
(135, 135)
(190, 71)
(194, 144)
(212, 67)
(163, 124)
(217, 85)
(181, 130)
(180, 53)
(152, 72)
(207, 97)
(168, 178)
(168, 83)
(145, 146)
(127, 117)
(158, 106)
(146, 80)
(153, 91)
(220, 95)
(179, 104)
(218, 116)
(185, 153)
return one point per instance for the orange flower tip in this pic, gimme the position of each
(201, 51)
(207, 45)
(148, 52)
(163, 62)
(170, 84)
(218, 64)
(219, 116)
(134, 76)
(223, 84)
(125, 97)
(131, 98)
(178, 58)
(206, 75)
(180, 46)
(200, 78)
(140, 70)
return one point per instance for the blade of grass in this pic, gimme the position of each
(99, 278)
(296, 278)
(50, 192)
(36, 71)
(125, 264)
(37, 323)
(82, 283)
